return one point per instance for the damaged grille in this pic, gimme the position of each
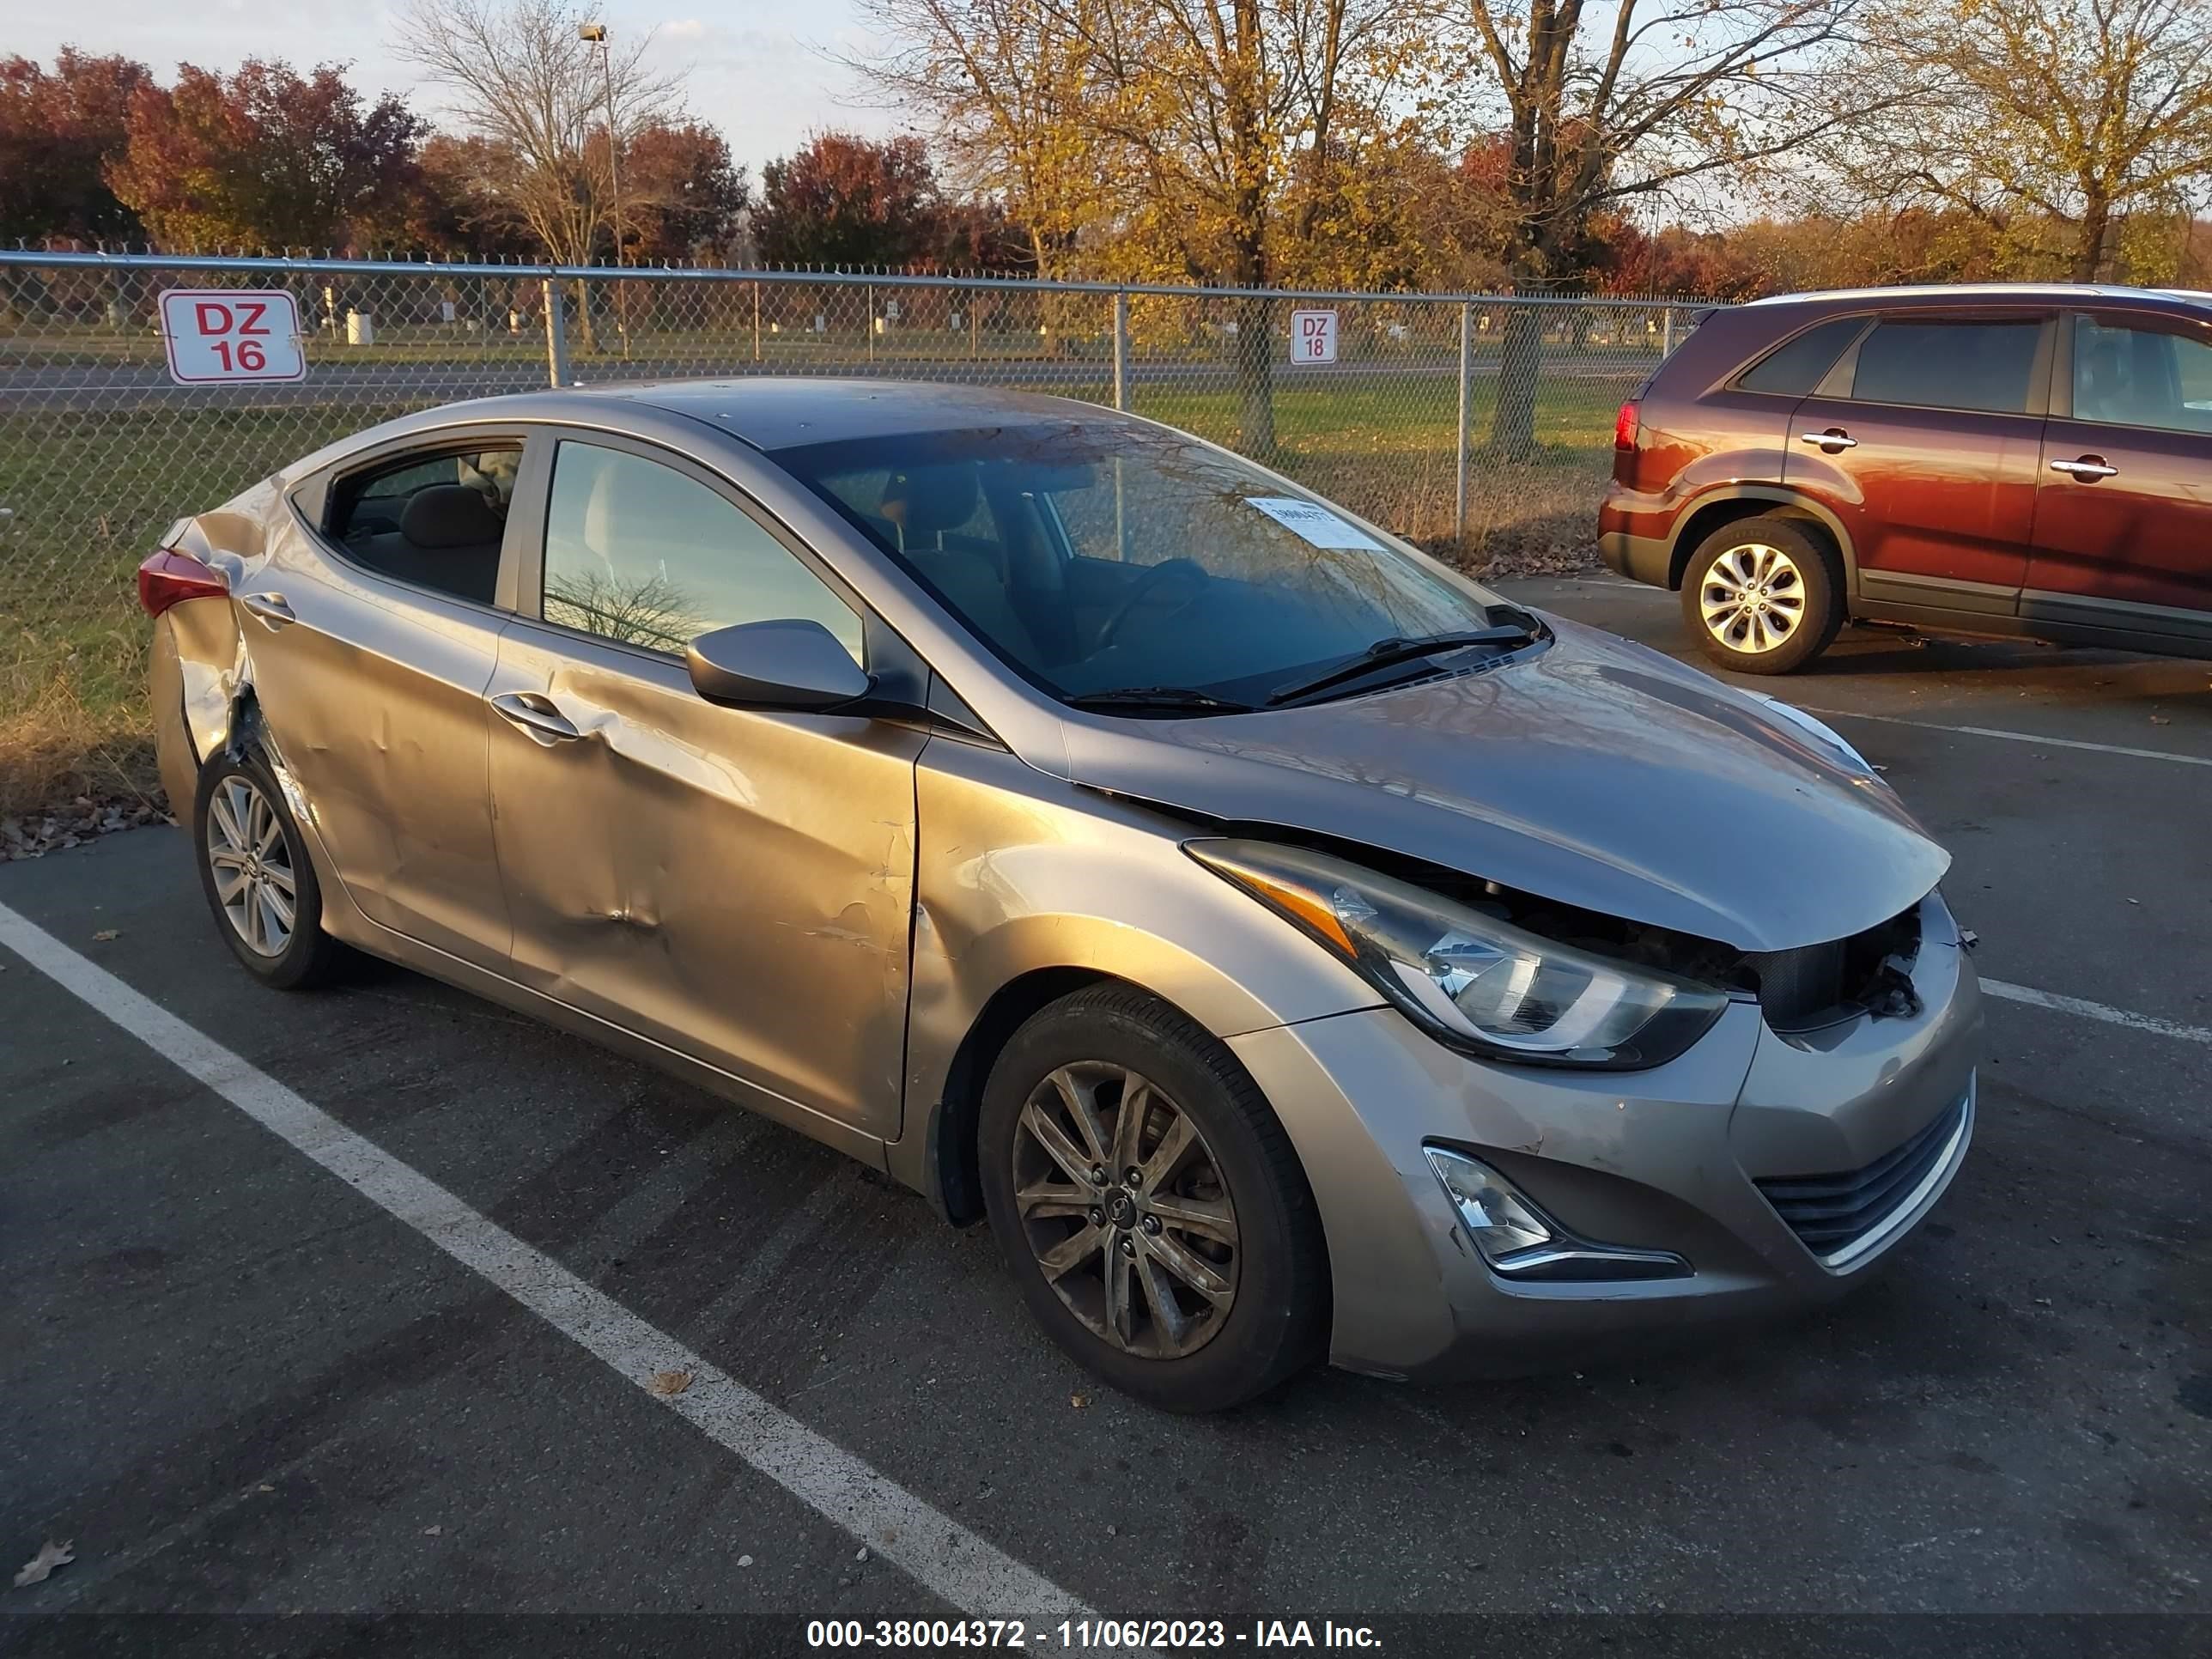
(1832, 1212)
(1817, 985)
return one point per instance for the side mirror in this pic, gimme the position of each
(774, 664)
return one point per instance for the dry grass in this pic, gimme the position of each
(67, 738)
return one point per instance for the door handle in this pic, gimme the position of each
(2089, 466)
(270, 609)
(536, 716)
(1834, 439)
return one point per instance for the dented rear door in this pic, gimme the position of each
(736, 885)
(372, 691)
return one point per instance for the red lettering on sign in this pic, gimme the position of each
(206, 309)
(252, 308)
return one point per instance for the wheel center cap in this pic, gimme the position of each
(1121, 1211)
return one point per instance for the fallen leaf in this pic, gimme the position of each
(2161, 720)
(666, 1384)
(1078, 1401)
(860, 1554)
(744, 1560)
(104, 935)
(265, 1487)
(433, 1532)
(40, 1567)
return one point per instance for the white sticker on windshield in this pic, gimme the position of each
(1313, 522)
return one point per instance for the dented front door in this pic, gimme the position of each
(739, 886)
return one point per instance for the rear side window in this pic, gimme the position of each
(435, 520)
(1948, 365)
(1794, 368)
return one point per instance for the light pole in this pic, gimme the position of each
(596, 35)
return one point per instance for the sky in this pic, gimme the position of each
(763, 72)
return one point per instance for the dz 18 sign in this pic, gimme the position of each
(1313, 337)
(219, 335)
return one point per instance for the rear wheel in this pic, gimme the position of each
(1149, 1206)
(1763, 596)
(256, 873)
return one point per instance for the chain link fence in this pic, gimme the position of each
(1476, 425)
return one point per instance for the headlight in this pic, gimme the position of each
(1474, 981)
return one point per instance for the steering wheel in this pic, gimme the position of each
(1163, 575)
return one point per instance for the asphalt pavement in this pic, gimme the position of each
(265, 1361)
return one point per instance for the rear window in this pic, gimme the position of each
(1948, 365)
(1794, 368)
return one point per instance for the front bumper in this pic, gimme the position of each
(1668, 1159)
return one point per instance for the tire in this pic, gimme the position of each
(1208, 1351)
(239, 801)
(1759, 566)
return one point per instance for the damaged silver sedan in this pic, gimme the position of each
(1291, 948)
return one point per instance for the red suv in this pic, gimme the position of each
(2000, 460)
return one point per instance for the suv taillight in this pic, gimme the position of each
(1624, 425)
(168, 577)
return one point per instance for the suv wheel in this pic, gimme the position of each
(1763, 596)
(1149, 1204)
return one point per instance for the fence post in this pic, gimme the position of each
(1466, 413)
(1121, 349)
(872, 322)
(1667, 332)
(557, 335)
(756, 339)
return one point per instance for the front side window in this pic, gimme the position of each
(1985, 366)
(1102, 556)
(638, 552)
(435, 520)
(2141, 377)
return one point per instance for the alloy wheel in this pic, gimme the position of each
(252, 859)
(1752, 598)
(1125, 1210)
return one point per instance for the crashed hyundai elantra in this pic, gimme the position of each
(1289, 948)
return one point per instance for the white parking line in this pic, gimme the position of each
(2087, 1010)
(938, 1553)
(2012, 736)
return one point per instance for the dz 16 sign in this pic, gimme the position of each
(219, 336)
(1313, 337)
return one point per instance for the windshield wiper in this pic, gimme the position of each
(1397, 648)
(1169, 699)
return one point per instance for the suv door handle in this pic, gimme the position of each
(1834, 439)
(2089, 466)
(535, 716)
(269, 608)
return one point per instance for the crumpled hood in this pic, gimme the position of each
(1594, 772)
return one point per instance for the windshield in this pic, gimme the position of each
(1103, 557)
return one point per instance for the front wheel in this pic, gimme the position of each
(1149, 1204)
(1763, 596)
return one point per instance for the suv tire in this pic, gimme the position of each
(1215, 1243)
(1764, 596)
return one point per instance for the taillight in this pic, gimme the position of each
(168, 577)
(1624, 425)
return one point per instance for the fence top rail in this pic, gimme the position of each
(271, 265)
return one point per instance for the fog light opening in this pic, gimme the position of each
(1516, 1240)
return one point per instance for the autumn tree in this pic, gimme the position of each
(59, 130)
(1605, 101)
(842, 200)
(520, 79)
(266, 158)
(683, 196)
(2047, 120)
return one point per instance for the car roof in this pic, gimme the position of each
(772, 412)
(2075, 293)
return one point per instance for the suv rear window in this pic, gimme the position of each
(1948, 365)
(1794, 366)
